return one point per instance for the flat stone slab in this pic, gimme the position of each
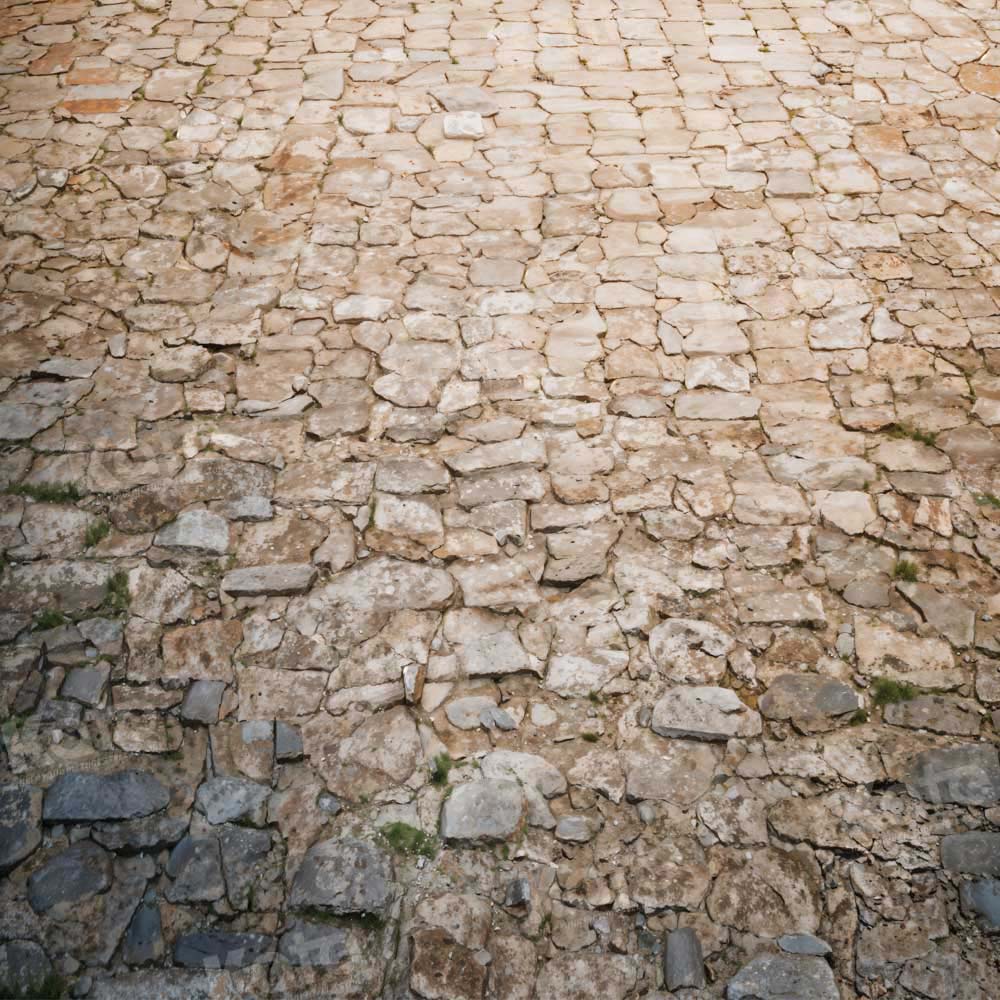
(76, 874)
(704, 713)
(20, 823)
(343, 876)
(973, 853)
(967, 775)
(484, 811)
(223, 950)
(83, 798)
(278, 580)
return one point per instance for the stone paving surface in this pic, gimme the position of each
(502, 499)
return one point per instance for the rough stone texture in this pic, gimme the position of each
(777, 977)
(683, 965)
(343, 876)
(20, 823)
(401, 402)
(483, 811)
(81, 797)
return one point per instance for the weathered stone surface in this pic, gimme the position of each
(683, 964)
(20, 823)
(969, 775)
(70, 878)
(280, 580)
(342, 876)
(811, 703)
(483, 811)
(974, 853)
(786, 893)
(443, 969)
(228, 800)
(81, 797)
(774, 977)
(704, 713)
(402, 399)
(587, 977)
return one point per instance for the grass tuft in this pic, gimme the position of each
(590, 737)
(44, 620)
(988, 500)
(890, 692)
(96, 533)
(406, 839)
(47, 492)
(117, 597)
(905, 570)
(859, 718)
(913, 433)
(441, 768)
(52, 987)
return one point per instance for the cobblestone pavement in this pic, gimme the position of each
(502, 500)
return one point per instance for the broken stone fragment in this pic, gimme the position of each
(196, 531)
(275, 580)
(704, 713)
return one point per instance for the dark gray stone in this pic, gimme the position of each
(810, 702)
(803, 944)
(518, 892)
(195, 865)
(203, 701)
(79, 872)
(144, 937)
(145, 834)
(20, 823)
(314, 944)
(223, 950)
(974, 853)
(244, 853)
(968, 775)
(225, 800)
(343, 875)
(982, 898)
(23, 965)
(86, 684)
(288, 743)
(683, 964)
(83, 798)
(784, 977)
